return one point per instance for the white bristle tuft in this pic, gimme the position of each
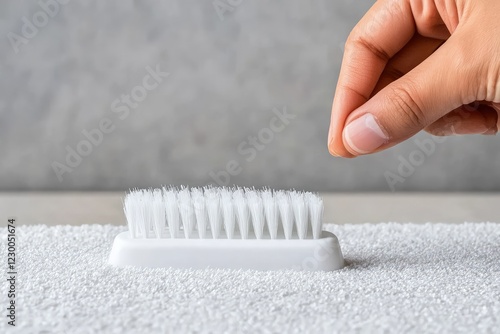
(315, 213)
(158, 213)
(228, 212)
(170, 212)
(212, 201)
(242, 212)
(130, 210)
(146, 214)
(271, 212)
(256, 211)
(186, 211)
(200, 211)
(286, 213)
(300, 213)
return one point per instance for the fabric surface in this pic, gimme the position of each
(399, 278)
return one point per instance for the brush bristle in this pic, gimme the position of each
(221, 212)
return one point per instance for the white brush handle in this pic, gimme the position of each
(321, 254)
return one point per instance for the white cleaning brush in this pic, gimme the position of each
(225, 228)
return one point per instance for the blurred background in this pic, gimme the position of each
(108, 95)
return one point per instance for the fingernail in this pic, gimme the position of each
(472, 128)
(491, 132)
(364, 135)
(331, 150)
(329, 136)
(330, 133)
(330, 144)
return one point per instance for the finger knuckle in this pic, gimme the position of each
(360, 42)
(393, 73)
(404, 101)
(492, 83)
(463, 60)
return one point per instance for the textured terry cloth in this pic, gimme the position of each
(433, 278)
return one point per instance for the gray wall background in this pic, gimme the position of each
(227, 72)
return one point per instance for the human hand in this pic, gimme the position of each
(417, 64)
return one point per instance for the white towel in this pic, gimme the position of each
(434, 278)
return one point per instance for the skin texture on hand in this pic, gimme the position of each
(412, 65)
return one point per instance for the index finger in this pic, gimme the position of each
(382, 32)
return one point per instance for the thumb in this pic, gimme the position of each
(406, 106)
